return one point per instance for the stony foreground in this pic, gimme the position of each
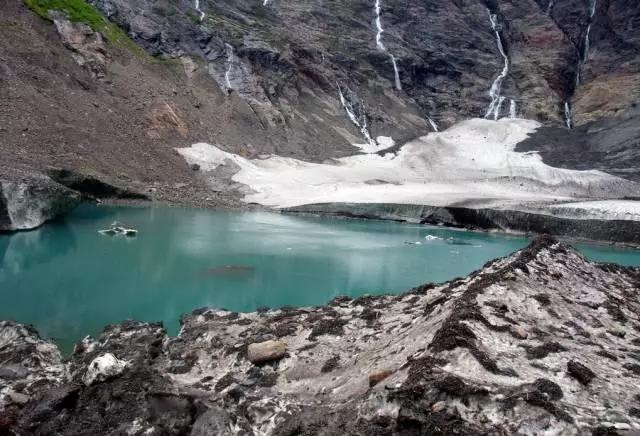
(540, 342)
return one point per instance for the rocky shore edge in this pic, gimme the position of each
(542, 341)
(29, 201)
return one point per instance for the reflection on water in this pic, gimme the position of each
(70, 281)
(24, 250)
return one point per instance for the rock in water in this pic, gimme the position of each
(102, 368)
(266, 351)
(28, 203)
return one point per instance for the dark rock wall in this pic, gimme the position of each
(446, 52)
(5, 220)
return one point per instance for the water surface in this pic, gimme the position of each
(69, 280)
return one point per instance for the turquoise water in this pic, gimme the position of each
(69, 281)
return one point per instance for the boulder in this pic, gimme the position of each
(519, 332)
(102, 368)
(580, 372)
(266, 351)
(213, 421)
(377, 376)
(87, 47)
(29, 203)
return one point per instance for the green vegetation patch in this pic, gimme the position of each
(79, 11)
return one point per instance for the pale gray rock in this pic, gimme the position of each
(28, 203)
(102, 368)
(266, 351)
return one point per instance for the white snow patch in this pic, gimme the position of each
(473, 160)
(102, 368)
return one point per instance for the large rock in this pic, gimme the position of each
(103, 368)
(28, 203)
(266, 351)
(28, 364)
(88, 47)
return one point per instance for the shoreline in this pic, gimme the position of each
(347, 211)
(489, 341)
(625, 233)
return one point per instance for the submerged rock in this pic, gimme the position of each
(458, 369)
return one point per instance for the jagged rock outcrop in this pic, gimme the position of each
(28, 202)
(92, 187)
(440, 359)
(87, 46)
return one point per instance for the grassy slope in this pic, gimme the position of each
(80, 11)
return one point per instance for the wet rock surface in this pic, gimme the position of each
(29, 201)
(440, 359)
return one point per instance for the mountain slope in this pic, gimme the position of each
(306, 80)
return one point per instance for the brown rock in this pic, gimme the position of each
(266, 351)
(377, 376)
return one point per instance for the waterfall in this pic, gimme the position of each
(230, 60)
(513, 109)
(381, 46)
(582, 59)
(587, 43)
(434, 126)
(568, 116)
(362, 125)
(550, 6)
(265, 2)
(199, 10)
(494, 92)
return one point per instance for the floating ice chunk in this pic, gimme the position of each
(103, 367)
(432, 238)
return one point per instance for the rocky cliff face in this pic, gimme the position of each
(540, 342)
(309, 79)
(447, 55)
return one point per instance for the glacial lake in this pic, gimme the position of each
(69, 281)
